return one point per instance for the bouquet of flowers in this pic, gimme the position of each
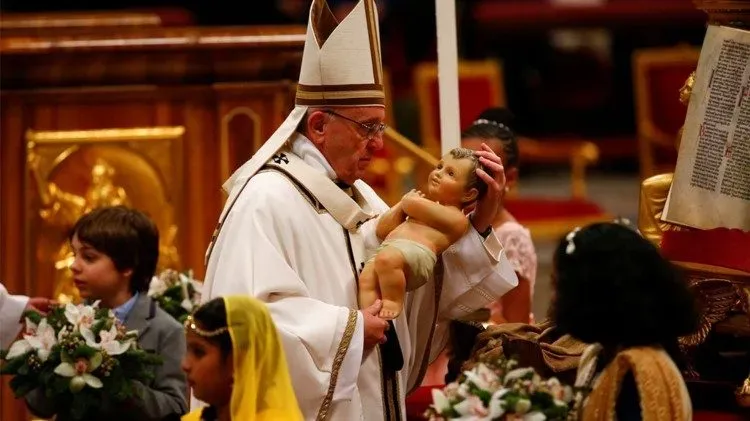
(500, 390)
(79, 357)
(176, 293)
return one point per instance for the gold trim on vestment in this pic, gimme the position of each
(346, 340)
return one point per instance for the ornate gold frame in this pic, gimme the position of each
(154, 152)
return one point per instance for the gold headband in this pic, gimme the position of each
(192, 326)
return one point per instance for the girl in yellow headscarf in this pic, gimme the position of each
(236, 364)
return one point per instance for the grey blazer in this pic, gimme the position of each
(164, 398)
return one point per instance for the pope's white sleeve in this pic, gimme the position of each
(11, 310)
(476, 273)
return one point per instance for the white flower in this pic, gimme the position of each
(157, 287)
(17, 349)
(496, 405)
(522, 406)
(471, 406)
(79, 372)
(187, 305)
(534, 416)
(108, 341)
(42, 342)
(439, 401)
(482, 377)
(517, 374)
(81, 315)
(463, 390)
(30, 327)
(451, 390)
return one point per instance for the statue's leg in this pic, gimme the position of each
(368, 285)
(389, 267)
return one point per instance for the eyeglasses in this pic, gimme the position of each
(371, 129)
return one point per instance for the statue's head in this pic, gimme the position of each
(687, 89)
(454, 181)
(101, 171)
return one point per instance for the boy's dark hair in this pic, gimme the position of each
(494, 123)
(211, 316)
(127, 236)
(474, 182)
(614, 288)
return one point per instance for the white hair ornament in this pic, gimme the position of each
(490, 122)
(571, 248)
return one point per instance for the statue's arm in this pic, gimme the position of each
(391, 219)
(445, 219)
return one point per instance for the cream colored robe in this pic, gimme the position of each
(277, 247)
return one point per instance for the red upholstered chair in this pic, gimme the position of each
(480, 87)
(658, 75)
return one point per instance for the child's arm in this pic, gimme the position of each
(446, 219)
(392, 218)
(166, 396)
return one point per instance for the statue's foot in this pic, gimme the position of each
(391, 310)
(388, 315)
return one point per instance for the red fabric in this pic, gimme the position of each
(664, 83)
(717, 247)
(474, 96)
(536, 210)
(418, 401)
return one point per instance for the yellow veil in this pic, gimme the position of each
(262, 388)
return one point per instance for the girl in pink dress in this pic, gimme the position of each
(492, 129)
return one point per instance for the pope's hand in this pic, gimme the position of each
(375, 327)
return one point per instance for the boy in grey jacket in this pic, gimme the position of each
(116, 250)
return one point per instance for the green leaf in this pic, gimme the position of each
(33, 315)
(22, 385)
(14, 365)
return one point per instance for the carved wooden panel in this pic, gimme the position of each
(215, 93)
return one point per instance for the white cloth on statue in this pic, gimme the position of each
(11, 310)
(277, 247)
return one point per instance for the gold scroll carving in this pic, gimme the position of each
(73, 172)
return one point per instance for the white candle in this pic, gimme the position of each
(450, 130)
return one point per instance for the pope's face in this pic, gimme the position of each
(349, 138)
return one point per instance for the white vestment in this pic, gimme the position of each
(279, 247)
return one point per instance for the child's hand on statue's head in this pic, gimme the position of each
(488, 206)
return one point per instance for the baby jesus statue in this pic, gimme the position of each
(418, 229)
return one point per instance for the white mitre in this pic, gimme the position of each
(341, 66)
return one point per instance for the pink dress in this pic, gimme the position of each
(519, 249)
